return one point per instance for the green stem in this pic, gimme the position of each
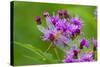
(49, 47)
(56, 52)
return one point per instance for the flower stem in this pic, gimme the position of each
(56, 52)
(49, 47)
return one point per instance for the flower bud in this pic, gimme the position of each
(38, 20)
(77, 31)
(65, 14)
(45, 14)
(84, 43)
(60, 13)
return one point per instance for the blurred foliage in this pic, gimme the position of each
(28, 46)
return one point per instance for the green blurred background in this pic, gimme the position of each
(26, 32)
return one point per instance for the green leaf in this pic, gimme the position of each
(41, 56)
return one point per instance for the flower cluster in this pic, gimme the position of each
(62, 28)
(73, 56)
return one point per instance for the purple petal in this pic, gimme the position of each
(76, 21)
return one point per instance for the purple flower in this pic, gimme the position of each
(58, 28)
(61, 29)
(69, 58)
(86, 57)
(84, 42)
(75, 51)
(72, 55)
(76, 21)
(73, 30)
